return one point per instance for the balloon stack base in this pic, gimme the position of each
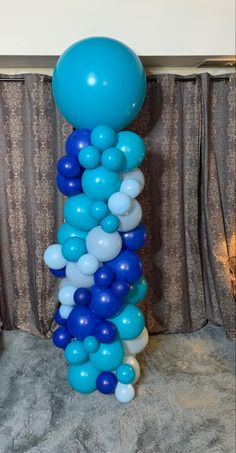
(100, 326)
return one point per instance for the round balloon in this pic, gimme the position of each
(61, 337)
(129, 323)
(68, 167)
(134, 239)
(60, 273)
(125, 373)
(105, 332)
(120, 288)
(119, 203)
(133, 147)
(135, 365)
(76, 278)
(138, 291)
(131, 187)
(105, 246)
(124, 393)
(75, 353)
(81, 322)
(91, 344)
(58, 318)
(104, 303)
(99, 80)
(106, 382)
(69, 187)
(137, 174)
(103, 137)
(98, 210)
(132, 219)
(73, 248)
(137, 344)
(67, 231)
(82, 378)
(90, 157)
(110, 223)
(65, 310)
(66, 295)
(112, 159)
(109, 356)
(77, 212)
(100, 184)
(53, 257)
(127, 266)
(104, 277)
(82, 296)
(77, 140)
(88, 264)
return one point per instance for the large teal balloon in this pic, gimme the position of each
(100, 184)
(75, 353)
(77, 212)
(109, 356)
(83, 378)
(133, 147)
(129, 323)
(138, 291)
(99, 81)
(67, 231)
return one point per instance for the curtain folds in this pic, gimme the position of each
(188, 202)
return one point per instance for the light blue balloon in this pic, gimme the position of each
(65, 310)
(91, 344)
(109, 356)
(103, 137)
(82, 378)
(125, 373)
(89, 157)
(112, 159)
(129, 323)
(110, 223)
(133, 147)
(77, 212)
(138, 291)
(99, 81)
(98, 210)
(100, 184)
(66, 231)
(73, 248)
(75, 353)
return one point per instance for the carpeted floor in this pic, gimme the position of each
(184, 401)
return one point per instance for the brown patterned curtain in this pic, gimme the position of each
(188, 202)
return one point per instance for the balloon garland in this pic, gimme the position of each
(99, 86)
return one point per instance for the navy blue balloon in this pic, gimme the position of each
(61, 337)
(59, 320)
(82, 322)
(82, 296)
(134, 239)
(60, 273)
(104, 277)
(106, 382)
(78, 140)
(105, 332)
(104, 303)
(127, 266)
(69, 187)
(69, 167)
(120, 288)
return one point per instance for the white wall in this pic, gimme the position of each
(150, 27)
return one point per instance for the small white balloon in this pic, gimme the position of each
(53, 257)
(88, 264)
(130, 359)
(105, 246)
(131, 187)
(137, 174)
(76, 278)
(66, 295)
(137, 344)
(65, 310)
(132, 219)
(119, 203)
(124, 393)
(64, 282)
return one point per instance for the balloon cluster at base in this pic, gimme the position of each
(100, 326)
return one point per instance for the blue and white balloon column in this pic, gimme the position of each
(99, 86)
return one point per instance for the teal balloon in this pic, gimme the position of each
(138, 291)
(97, 81)
(67, 231)
(112, 159)
(91, 344)
(73, 248)
(133, 148)
(98, 210)
(103, 137)
(89, 157)
(82, 378)
(110, 223)
(125, 373)
(75, 353)
(100, 184)
(129, 323)
(77, 212)
(109, 356)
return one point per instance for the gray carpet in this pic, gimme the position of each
(184, 401)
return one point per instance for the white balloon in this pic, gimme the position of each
(132, 219)
(53, 257)
(105, 246)
(66, 295)
(130, 359)
(119, 203)
(137, 174)
(76, 278)
(64, 282)
(88, 264)
(131, 187)
(124, 393)
(65, 310)
(137, 344)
